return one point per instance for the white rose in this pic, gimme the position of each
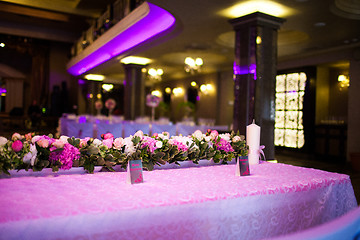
(119, 143)
(129, 145)
(198, 135)
(159, 144)
(236, 139)
(27, 157)
(35, 139)
(97, 142)
(64, 139)
(162, 136)
(3, 141)
(30, 157)
(207, 138)
(225, 136)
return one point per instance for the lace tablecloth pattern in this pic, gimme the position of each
(207, 202)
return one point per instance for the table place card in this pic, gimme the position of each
(242, 166)
(134, 172)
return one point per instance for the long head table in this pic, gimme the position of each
(207, 202)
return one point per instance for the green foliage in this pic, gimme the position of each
(94, 152)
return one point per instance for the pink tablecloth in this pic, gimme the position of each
(188, 203)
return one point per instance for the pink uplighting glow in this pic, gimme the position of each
(156, 20)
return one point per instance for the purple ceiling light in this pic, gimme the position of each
(143, 23)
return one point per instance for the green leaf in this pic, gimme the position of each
(100, 161)
(92, 150)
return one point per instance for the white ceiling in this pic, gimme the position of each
(200, 30)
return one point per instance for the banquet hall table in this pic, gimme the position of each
(207, 202)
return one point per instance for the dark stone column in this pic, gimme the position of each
(255, 75)
(134, 95)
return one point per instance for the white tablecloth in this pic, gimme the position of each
(207, 202)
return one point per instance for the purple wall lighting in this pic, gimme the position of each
(81, 81)
(243, 70)
(156, 20)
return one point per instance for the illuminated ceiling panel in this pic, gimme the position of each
(143, 23)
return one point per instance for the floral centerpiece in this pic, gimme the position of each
(98, 106)
(36, 152)
(153, 102)
(110, 104)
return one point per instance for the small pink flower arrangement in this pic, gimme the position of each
(98, 105)
(152, 100)
(110, 104)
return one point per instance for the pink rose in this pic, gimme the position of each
(214, 134)
(44, 143)
(119, 143)
(83, 142)
(16, 136)
(139, 134)
(108, 142)
(17, 146)
(107, 136)
(58, 144)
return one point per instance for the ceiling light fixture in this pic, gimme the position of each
(344, 81)
(155, 74)
(206, 88)
(107, 87)
(247, 7)
(193, 65)
(135, 60)
(168, 90)
(94, 77)
(178, 91)
(156, 93)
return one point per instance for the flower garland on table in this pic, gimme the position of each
(36, 152)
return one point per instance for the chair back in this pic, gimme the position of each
(80, 130)
(131, 128)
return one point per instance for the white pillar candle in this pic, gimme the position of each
(253, 141)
